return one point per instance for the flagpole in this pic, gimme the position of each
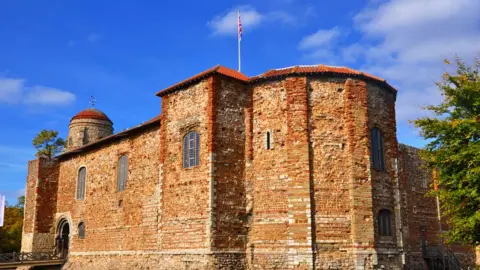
(239, 40)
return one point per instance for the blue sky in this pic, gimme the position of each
(55, 54)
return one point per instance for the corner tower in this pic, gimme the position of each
(88, 126)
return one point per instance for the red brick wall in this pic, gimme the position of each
(383, 181)
(330, 170)
(40, 205)
(31, 195)
(420, 211)
(267, 175)
(298, 167)
(185, 192)
(310, 200)
(381, 115)
(358, 147)
(109, 226)
(230, 230)
(46, 200)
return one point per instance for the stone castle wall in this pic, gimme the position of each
(115, 220)
(310, 201)
(40, 205)
(230, 217)
(420, 212)
(267, 178)
(328, 127)
(84, 131)
(186, 207)
(381, 115)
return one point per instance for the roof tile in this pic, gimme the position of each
(311, 69)
(216, 69)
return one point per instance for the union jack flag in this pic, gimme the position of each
(239, 27)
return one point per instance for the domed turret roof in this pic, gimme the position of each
(91, 113)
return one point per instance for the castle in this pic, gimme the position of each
(297, 168)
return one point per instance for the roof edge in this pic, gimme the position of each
(259, 79)
(111, 138)
(274, 74)
(217, 69)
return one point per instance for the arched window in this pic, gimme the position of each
(385, 222)
(191, 149)
(377, 149)
(122, 172)
(82, 174)
(81, 230)
(268, 140)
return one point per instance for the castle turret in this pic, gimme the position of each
(88, 126)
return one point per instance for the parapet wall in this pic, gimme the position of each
(40, 205)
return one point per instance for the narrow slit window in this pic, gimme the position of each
(81, 230)
(268, 141)
(122, 172)
(191, 149)
(377, 154)
(82, 174)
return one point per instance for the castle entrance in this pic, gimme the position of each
(62, 240)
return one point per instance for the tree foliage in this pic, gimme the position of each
(47, 143)
(11, 232)
(454, 150)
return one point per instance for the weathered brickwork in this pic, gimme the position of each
(384, 182)
(230, 228)
(268, 175)
(285, 180)
(40, 205)
(185, 219)
(114, 220)
(331, 177)
(420, 213)
(85, 131)
(357, 119)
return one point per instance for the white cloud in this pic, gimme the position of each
(10, 90)
(404, 42)
(321, 38)
(13, 166)
(48, 96)
(21, 192)
(227, 22)
(14, 91)
(410, 38)
(93, 37)
(320, 46)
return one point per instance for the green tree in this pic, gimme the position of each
(11, 232)
(21, 203)
(454, 150)
(47, 143)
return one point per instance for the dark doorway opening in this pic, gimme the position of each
(62, 239)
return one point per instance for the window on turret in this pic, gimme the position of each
(122, 172)
(81, 230)
(82, 174)
(377, 149)
(385, 222)
(191, 149)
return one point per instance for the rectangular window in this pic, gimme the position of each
(377, 153)
(122, 172)
(82, 173)
(191, 149)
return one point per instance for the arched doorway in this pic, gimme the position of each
(62, 240)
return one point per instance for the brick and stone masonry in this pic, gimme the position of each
(285, 180)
